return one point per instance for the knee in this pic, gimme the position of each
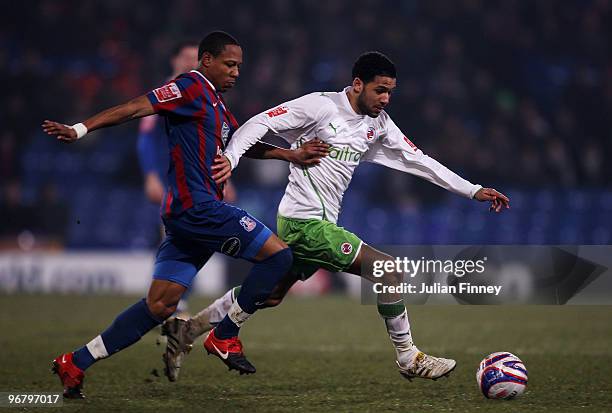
(283, 258)
(162, 309)
(273, 301)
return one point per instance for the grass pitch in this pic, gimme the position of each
(318, 354)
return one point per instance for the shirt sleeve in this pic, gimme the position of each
(300, 113)
(181, 97)
(395, 150)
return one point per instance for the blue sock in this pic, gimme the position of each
(256, 288)
(83, 358)
(128, 328)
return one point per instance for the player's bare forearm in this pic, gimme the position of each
(262, 150)
(134, 109)
(222, 167)
(281, 154)
(308, 154)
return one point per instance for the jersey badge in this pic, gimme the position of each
(346, 248)
(371, 134)
(281, 110)
(247, 223)
(225, 130)
(167, 92)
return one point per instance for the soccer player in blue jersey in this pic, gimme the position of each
(198, 222)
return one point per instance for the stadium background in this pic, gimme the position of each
(511, 94)
(514, 95)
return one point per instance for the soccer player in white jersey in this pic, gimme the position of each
(353, 122)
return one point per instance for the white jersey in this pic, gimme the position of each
(317, 191)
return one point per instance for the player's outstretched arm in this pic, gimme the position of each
(310, 153)
(300, 113)
(134, 109)
(497, 199)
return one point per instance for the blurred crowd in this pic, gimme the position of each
(515, 94)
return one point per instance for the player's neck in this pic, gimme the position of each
(352, 98)
(202, 71)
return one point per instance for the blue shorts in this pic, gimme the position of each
(193, 236)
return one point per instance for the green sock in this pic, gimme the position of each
(235, 292)
(391, 310)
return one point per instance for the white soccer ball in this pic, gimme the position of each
(501, 376)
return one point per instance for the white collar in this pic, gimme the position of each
(347, 103)
(204, 77)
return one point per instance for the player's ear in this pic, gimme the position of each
(207, 59)
(357, 85)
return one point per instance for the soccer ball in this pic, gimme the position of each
(501, 376)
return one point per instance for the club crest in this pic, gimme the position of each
(248, 223)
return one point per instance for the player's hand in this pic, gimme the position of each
(310, 153)
(221, 169)
(63, 132)
(497, 199)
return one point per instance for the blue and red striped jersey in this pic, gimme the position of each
(199, 126)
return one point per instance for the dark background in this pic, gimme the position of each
(511, 94)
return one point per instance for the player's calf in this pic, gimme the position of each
(163, 298)
(182, 333)
(126, 329)
(256, 289)
(209, 317)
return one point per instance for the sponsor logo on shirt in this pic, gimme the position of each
(409, 142)
(231, 247)
(167, 92)
(281, 110)
(247, 223)
(344, 154)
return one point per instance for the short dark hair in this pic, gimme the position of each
(180, 45)
(372, 64)
(215, 42)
